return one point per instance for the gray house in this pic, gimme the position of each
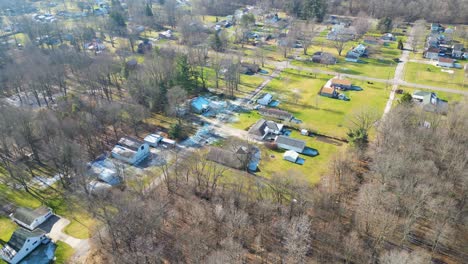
(29, 218)
(21, 243)
(288, 143)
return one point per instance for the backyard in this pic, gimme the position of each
(314, 167)
(432, 75)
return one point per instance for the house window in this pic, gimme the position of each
(35, 242)
(27, 249)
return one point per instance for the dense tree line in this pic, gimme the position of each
(403, 200)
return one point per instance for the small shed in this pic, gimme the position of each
(265, 100)
(291, 156)
(200, 105)
(153, 140)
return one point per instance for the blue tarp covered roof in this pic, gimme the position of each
(200, 104)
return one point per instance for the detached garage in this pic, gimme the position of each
(291, 156)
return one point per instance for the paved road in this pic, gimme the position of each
(399, 72)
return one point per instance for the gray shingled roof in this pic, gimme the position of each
(18, 238)
(27, 215)
(259, 128)
(290, 142)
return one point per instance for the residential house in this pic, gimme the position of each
(265, 100)
(144, 47)
(329, 91)
(342, 84)
(430, 102)
(153, 140)
(432, 53)
(419, 95)
(31, 218)
(241, 158)
(106, 171)
(388, 37)
(446, 62)
(132, 64)
(288, 143)
(249, 68)
(291, 156)
(342, 32)
(131, 150)
(372, 40)
(351, 57)
(200, 105)
(457, 50)
(275, 113)
(437, 27)
(324, 58)
(21, 243)
(263, 128)
(360, 50)
(166, 34)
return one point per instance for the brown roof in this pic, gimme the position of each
(433, 50)
(327, 90)
(341, 82)
(275, 113)
(446, 60)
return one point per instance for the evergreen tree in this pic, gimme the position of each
(217, 43)
(148, 10)
(118, 19)
(184, 75)
(400, 45)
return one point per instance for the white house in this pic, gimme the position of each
(263, 128)
(29, 218)
(446, 62)
(288, 143)
(265, 100)
(291, 156)
(21, 243)
(432, 53)
(131, 150)
(153, 140)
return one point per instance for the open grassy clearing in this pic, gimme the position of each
(63, 253)
(432, 75)
(7, 227)
(324, 115)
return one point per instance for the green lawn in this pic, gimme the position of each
(7, 227)
(313, 168)
(431, 75)
(63, 252)
(324, 115)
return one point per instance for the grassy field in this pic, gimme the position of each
(432, 75)
(313, 168)
(63, 253)
(324, 115)
(7, 227)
